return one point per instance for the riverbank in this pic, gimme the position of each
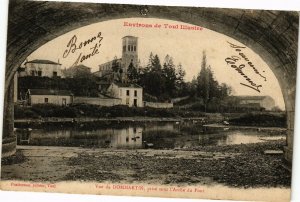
(239, 127)
(233, 165)
(92, 119)
(88, 113)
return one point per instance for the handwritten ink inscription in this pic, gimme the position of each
(73, 47)
(239, 62)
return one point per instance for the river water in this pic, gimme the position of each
(156, 135)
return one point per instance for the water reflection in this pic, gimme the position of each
(23, 137)
(130, 137)
(237, 137)
(134, 136)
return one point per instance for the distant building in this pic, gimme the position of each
(130, 94)
(45, 96)
(42, 68)
(21, 72)
(265, 102)
(129, 52)
(107, 69)
(120, 65)
(77, 71)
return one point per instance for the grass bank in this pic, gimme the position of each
(98, 113)
(262, 119)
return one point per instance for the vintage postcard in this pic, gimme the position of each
(137, 100)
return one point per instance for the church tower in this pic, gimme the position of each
(129, 52)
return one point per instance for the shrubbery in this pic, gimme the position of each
(198, 106)
(85, 110)
(24, 112)
(51, 110)
(261, 119)
(44, 110)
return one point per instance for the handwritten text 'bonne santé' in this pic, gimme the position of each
(93, 43)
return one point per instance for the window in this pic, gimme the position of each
(46, 100)
(39, 73)
(64, 102)
(54, 73)
(135, 102)
(124, 48)
(127, 101)
(134, 48)
(127, 92)
(128, 48)
(32, 73)
(135, 93)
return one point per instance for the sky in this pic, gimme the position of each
(184, 46)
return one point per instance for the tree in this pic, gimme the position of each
(85, 86)
(213, 85)
(225, 90)
(181, 85)
(208, 88)
(203, 81)
(152, 78)
(169, 73)
(156, 65)
(132, 73)
(115, 65)
(192, 87)
(149, 66)
(180, 74)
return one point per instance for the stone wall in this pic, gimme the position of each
(161, 105)
(97, 101)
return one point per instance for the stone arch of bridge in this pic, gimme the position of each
(273, 35)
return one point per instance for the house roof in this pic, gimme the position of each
(127, 85)
(117, 59)
(20, 69)
(43, 62)
(129, 36)
(48, 92)
(80, 67)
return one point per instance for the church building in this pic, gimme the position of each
(119, 66)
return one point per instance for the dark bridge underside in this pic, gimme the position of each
(271, 34)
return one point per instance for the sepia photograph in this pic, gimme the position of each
(143, 100)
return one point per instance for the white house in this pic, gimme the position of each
(42, 68)
(130, 94)
(45, 96)
(266, 102)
